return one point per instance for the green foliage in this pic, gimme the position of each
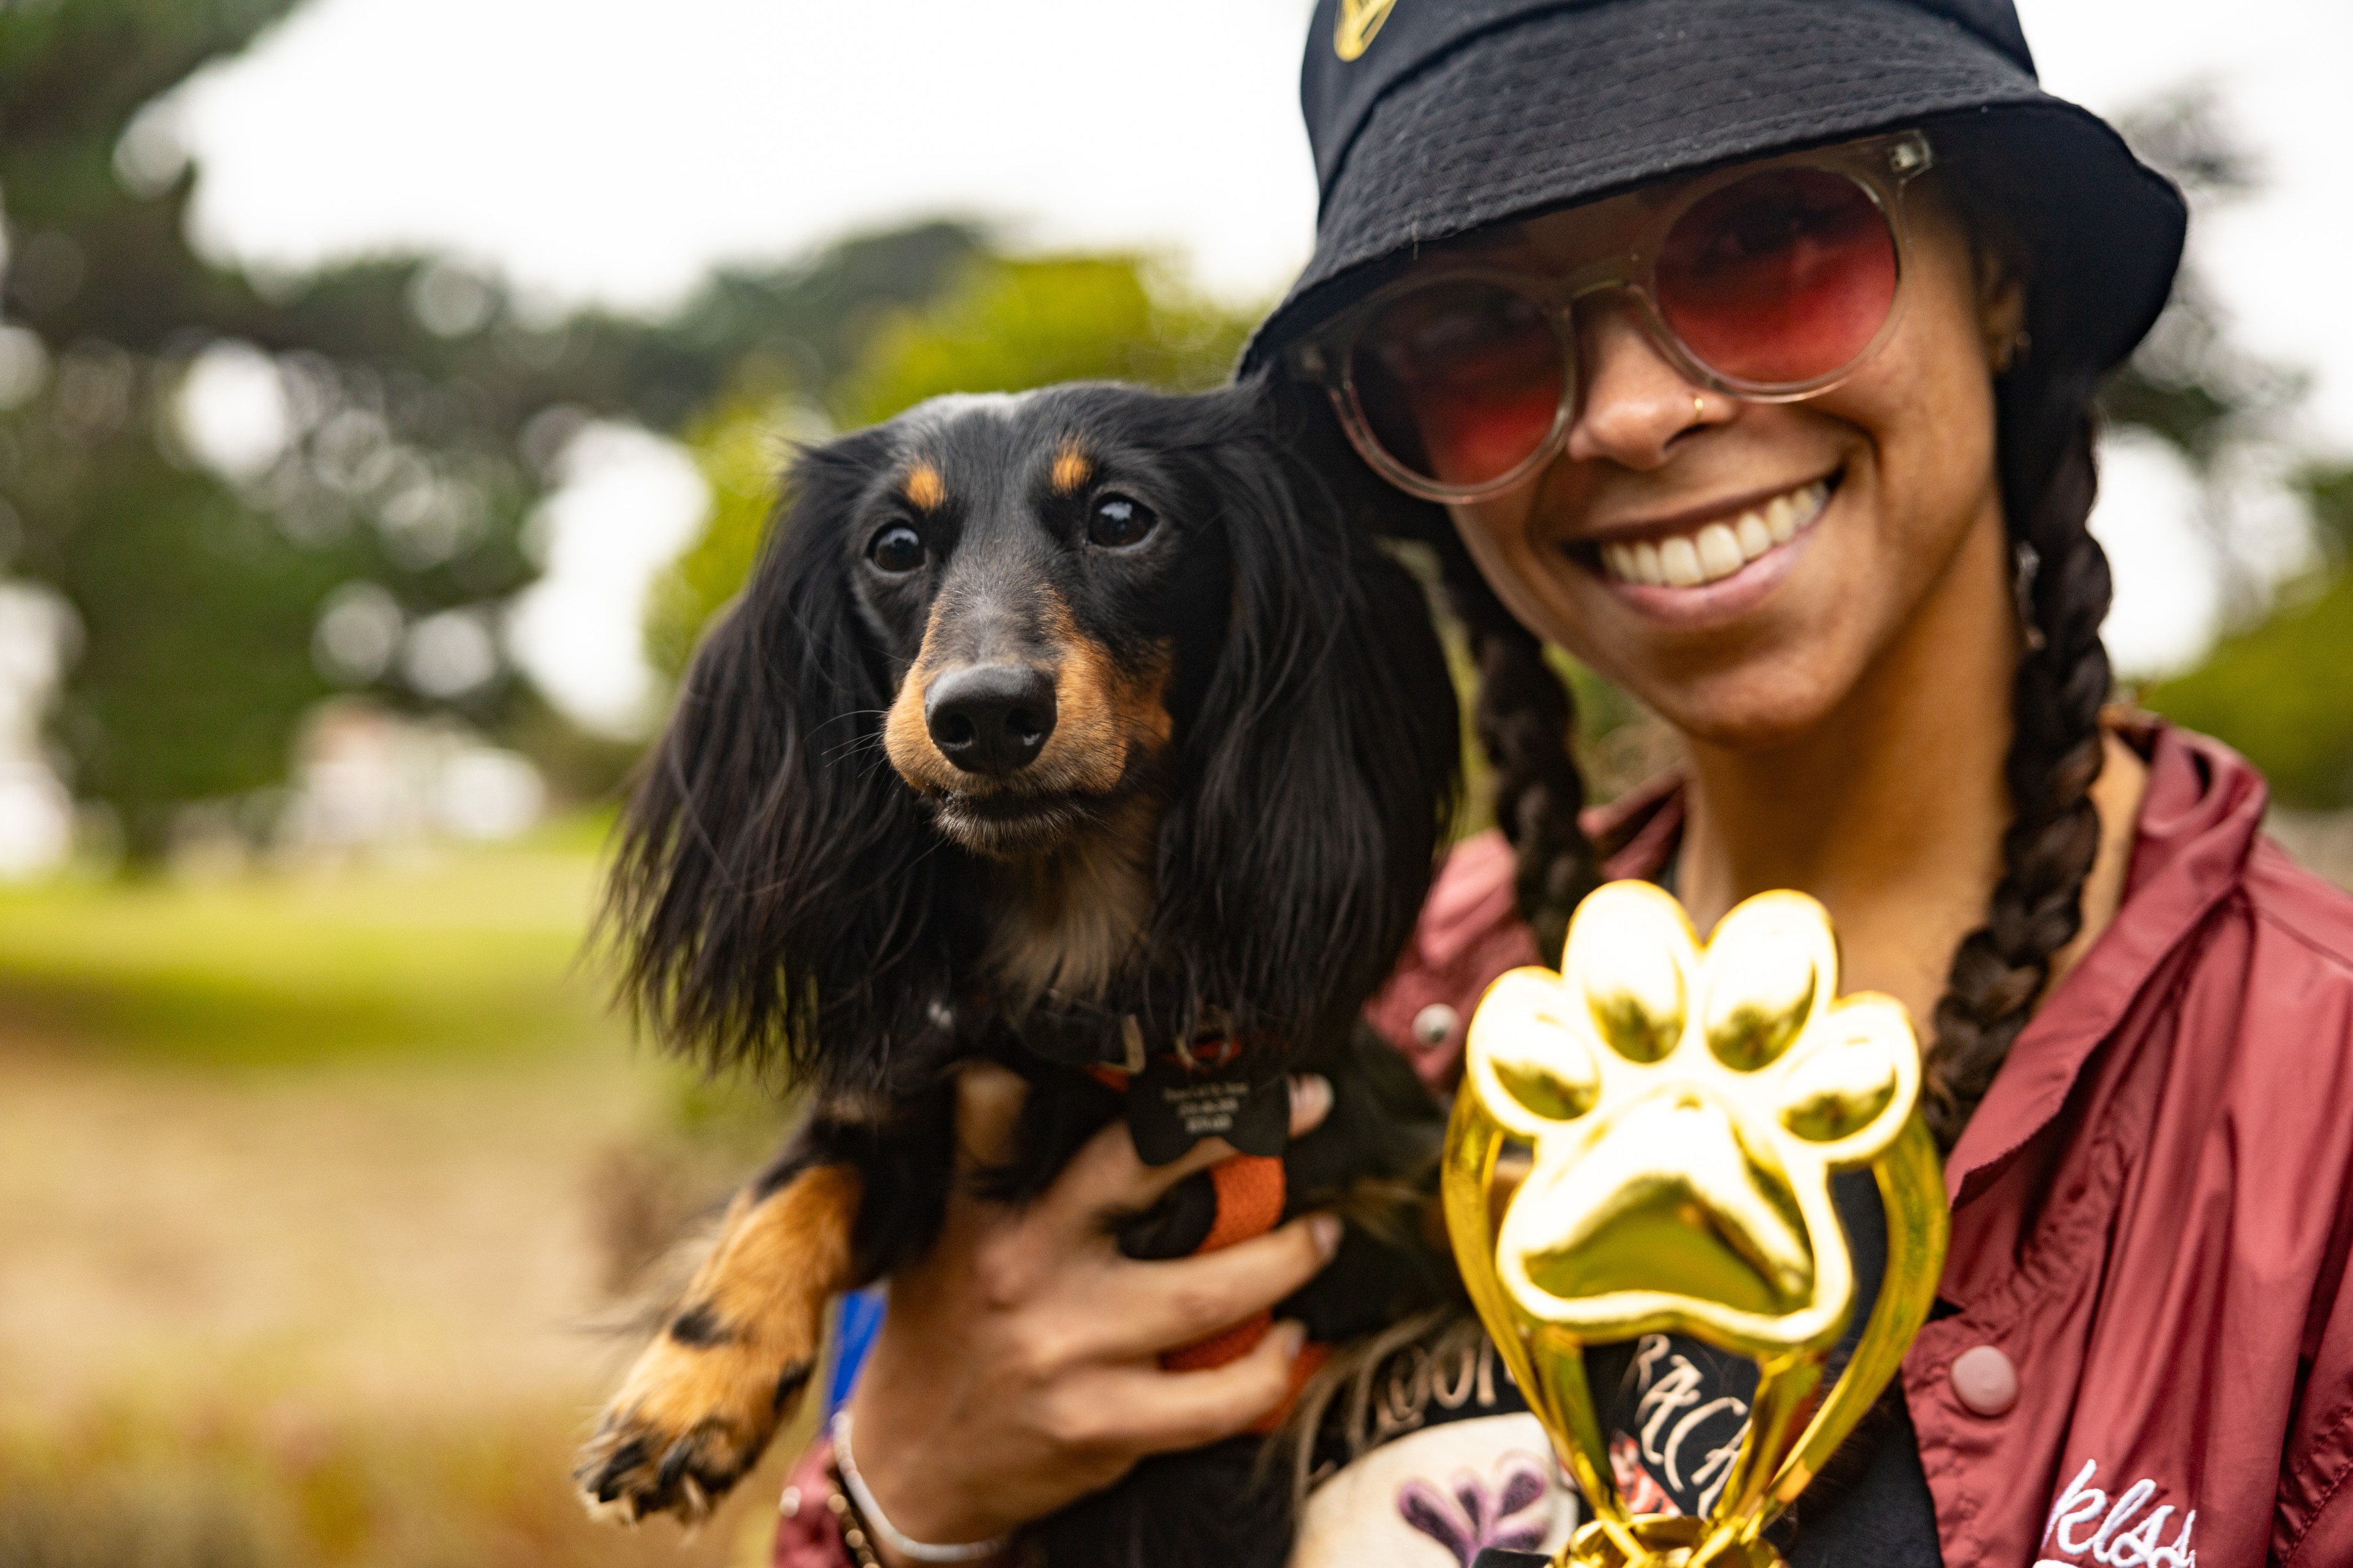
(2279, 691)
(73, 73)
(741, 448)
(750, 333)
(171, 700)
(1012, 325)
(198, 595)
(1005, 325)
(2188, 385)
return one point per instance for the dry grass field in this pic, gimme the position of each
(315, 1191)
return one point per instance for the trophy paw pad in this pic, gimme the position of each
(1685, 1106)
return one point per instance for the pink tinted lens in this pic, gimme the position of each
(1459, 381)
(1780, 278)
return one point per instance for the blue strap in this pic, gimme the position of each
(854, 1327)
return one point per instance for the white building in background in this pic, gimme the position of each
(365, 778)
(36, 815)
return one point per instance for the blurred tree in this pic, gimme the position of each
(2274, 688)
(2279, 691)
(741, 448)
(1005, 326)
(2189, 384)
(401, 417)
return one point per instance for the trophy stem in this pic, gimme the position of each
(1563, 1402)
(1777, 1413)
(1558, 1395)
(1911, 1192)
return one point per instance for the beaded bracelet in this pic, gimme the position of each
(854, 1533)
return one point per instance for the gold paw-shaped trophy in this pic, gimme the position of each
(1643, 1144)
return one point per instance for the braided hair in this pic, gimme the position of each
(2046, 426)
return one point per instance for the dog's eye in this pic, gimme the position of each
(1119, 522)
(897, 548)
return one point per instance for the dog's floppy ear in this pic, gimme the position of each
(771, 889)
(1324, 763)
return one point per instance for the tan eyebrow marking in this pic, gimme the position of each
(924, 486)
(1072, 468)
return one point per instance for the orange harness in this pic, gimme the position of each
(1250, 1190)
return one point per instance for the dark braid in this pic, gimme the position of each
(2046, 429)
(2055, 752)
(1525, 718)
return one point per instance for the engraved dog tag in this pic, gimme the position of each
(1171, 1107)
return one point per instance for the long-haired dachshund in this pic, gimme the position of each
(1083, 730)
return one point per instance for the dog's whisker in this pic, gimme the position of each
(854, 744)
(850, 717)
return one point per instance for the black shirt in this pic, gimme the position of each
(1682, 1406)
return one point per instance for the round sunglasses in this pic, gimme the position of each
(1769, 281)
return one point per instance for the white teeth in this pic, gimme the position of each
(1679, 560)
(1719, 552)
(1716, 550)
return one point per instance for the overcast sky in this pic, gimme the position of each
(591, 148)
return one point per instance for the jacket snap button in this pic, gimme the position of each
(1434, 1025)
(1986, 1381)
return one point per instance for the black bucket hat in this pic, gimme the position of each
(1431, 118)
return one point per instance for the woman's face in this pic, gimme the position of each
(1823, 529)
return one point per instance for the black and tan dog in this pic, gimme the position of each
(1075, 729)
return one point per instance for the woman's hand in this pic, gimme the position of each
(1016, 1370)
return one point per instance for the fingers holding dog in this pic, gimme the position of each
(990, 1099)
(1165, 1411)
(1187, 1299)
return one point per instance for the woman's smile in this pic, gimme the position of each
(1708, 564)
(1681, 554)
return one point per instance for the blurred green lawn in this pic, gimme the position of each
(469, 952)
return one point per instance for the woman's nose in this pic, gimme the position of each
(1631, 402)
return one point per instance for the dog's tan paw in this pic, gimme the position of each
(701, 1402)
(696, 1414)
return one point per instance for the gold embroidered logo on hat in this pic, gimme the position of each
(1359, 20)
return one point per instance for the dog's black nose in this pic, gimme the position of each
(990, 718)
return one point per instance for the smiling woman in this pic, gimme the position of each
(1750, 347)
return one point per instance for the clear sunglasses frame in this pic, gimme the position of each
(1882, 166)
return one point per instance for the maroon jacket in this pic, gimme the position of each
(2150, 1358)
